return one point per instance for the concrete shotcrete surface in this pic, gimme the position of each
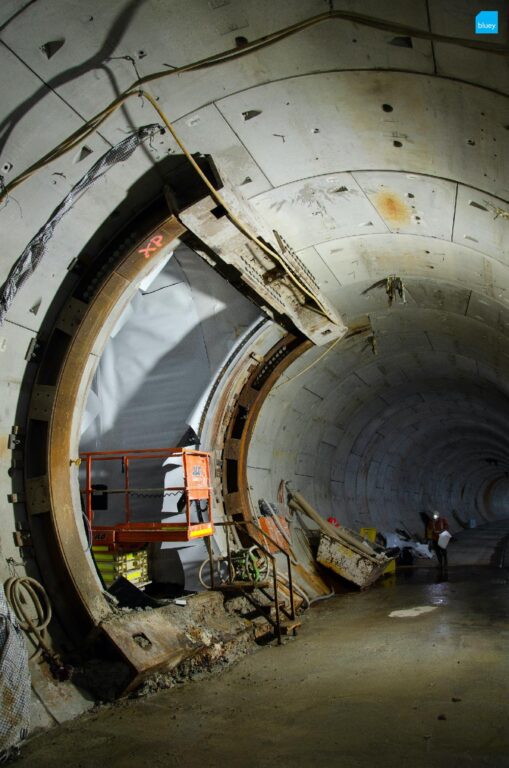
(358, 687)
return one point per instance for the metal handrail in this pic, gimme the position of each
(288, 562)
(127, 530)
(272, 558)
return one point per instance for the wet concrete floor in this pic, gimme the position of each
(358, 687)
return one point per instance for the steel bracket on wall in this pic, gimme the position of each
(281, 284)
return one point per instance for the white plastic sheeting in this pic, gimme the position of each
(165, 350)
(155, 371)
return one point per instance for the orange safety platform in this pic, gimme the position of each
(196, 488)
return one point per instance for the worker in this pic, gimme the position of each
(436, 526)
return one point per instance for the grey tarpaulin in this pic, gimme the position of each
(14, 680)
(33, 253)
(152, 382)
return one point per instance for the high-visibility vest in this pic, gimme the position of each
(435, 528)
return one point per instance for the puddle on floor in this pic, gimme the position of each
(410, 613)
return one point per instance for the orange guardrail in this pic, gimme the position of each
(196, 489)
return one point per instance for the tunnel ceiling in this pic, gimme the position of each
(373, 152)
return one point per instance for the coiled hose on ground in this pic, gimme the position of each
(31, 604)
(21, 592)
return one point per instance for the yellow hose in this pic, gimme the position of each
(234, 53)
(232, 217)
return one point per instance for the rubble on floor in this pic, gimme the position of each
(200, 634)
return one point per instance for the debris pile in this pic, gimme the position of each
(343, 551)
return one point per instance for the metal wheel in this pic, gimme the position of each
(221, 573)
(256, 564)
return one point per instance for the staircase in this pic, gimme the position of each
(271, 614)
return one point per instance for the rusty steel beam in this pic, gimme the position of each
(269, 269)
(58, 398)
(243, 419)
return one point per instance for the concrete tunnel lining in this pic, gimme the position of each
(310, 426)
(351, 462)
(357, 169)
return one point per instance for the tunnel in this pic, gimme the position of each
(275, 235)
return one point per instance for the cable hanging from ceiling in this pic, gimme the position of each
(233, 54)
(32, 255)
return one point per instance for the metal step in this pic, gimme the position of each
(268, 607)
(290, 627)
(239, 586)
(261, 628)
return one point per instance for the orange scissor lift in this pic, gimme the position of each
(196, 488)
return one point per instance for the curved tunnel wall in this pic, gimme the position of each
(371, 159)
(378, 439)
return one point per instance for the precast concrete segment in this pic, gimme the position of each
(377, 401)
(315, 101)
(457, 483)
(420, 464)
(408, 430)
(397, 362)
(494, 492)
(455, 458)
(404, 442)
(425, 488)
(394, 359)
(449, 439)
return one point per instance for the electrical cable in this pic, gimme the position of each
(20, 591)
(232, 217)
(162, 288)
(234, 53)
(61, 149)
(322, 597)
(224, 57)
(308, 368)
(33, 253)
(216, 196)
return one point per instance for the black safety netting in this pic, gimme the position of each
(27, 263)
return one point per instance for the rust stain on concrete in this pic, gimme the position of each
(392, 208)
(4, 447)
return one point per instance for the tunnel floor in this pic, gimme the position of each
(358, 687)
